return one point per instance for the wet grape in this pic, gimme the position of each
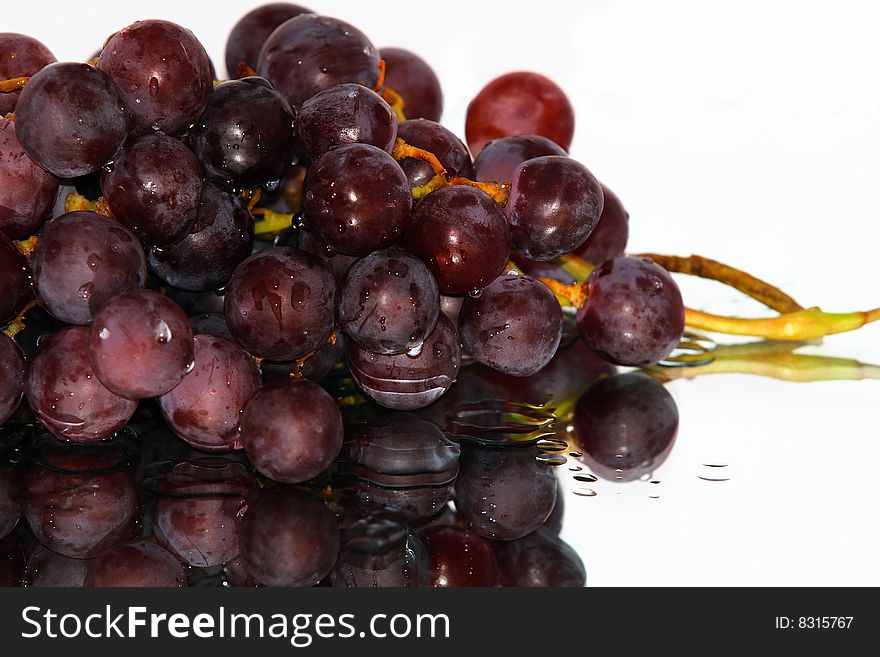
(434, 138)
(459, 558)
(15, 288)
(388, 302)
(500, 158)
(248, 35)
(27, 191)
(415, 81)
(22, 56)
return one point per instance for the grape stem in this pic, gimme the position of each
(13, 84)
(76, 202)
(244, 71)
(268, 223)
(798, 324)
(695, 265)
(395, 100)
(381, 81)
(27, 246)
(17, 325)
(299, 362)
(402, 150)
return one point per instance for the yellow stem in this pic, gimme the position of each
(268, 223)
(17, 325)
(13, 84)
(807, 324)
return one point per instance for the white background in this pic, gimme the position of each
(748, 132)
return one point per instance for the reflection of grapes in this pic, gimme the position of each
(288, 538)
(136, 564)
(625, 426)
(504, 494)
(539, 560)
(459, 557)
(12, 373)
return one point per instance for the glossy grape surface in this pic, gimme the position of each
(345, 114)
(141, 344)
(15, 289)
(164, 74)
(71, 119)
(434, 138)
(27, 191)
(514, 326)
(280, 304)
(404, 382)
(291, 430)
(356, 199)
(245, 136)
(336, 262)
(218, 241)
(610, 235)
(463, 237)
(415, 81)
(21, 56)
(12, 375)
(388, 302)
(634, 314)
(555, 203)
(206, 407)
(625, 426)
(247, 37)
(520, 103)
(83, 260)
(154, 187)
(500, 158)
(310, 53)
(65, 394)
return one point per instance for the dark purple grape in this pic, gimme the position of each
(634, 313)
(10, 504)
(388, 302)
(316, 367)
(415, 81)
(571, 371)
(80, 503)
(139, 564)
(463, 237)
(288, 538)
(82, 260)
(154, 187)
(71, 119)
(539, 560)
(66, 395)
(27, 191)
(356, 199)
(345, 114)
(504, 494)
(378, 551)
(338, 263)
(22, 56)
(459, 558)
(280, 304)
(625, 426)
(205, 408)
(219, 240)
(245, 136)
(251, 31)
(514, 326)
(310, 53)
(434, 138)
(47, 569)
(200, 528)
(404, 382)
(609, 237)
(291, 430)
(164, 74)
(15, 287)
(12, 376)
(555, 203)
(520, 103)
(141, 344)
(500, 158)
(211, 324)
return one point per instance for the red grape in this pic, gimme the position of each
(500, 158)
(12, 375)
(415, 81)
(251, 31)
(434, 138)
(459, 558)
(27, 191)
(21, 56)
(15, 288)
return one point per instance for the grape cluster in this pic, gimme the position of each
(260, 267)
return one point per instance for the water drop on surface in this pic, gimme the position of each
(585, 492)
(551, 459)
(586, 478)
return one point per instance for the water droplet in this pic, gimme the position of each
(551, 459)
(585, 492)
(586, 478)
